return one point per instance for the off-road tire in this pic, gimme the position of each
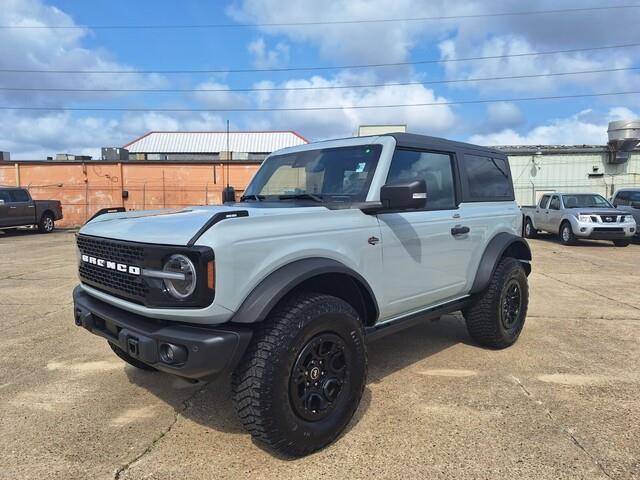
(262, 381)
(130, 360)
(529, 229)
(484, 317)
(46, 223)
(621, 243)
(569, 238)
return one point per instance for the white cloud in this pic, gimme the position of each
(263, 57)
(60, 49)
(583, 128)
(323, 124)
(503, 115)
(365, 42)
(36, 137)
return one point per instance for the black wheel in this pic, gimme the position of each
(302, 377)
(46, 223)
(621, 243)
(129, 359)
(529, 230)
(496, 317)
(566, 234)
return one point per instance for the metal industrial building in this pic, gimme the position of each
(577, 168)
(211, 146)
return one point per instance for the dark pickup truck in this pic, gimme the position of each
(18, 209)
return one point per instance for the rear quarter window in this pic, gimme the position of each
(486, 178)
(20, 195)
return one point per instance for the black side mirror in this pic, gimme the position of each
(404, 196)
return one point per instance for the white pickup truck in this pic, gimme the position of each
(332, 244)
(579, 215)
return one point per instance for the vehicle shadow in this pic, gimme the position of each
(550, 238)
(210, 404)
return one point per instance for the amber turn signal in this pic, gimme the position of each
(211, 275)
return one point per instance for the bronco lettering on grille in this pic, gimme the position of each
(119, 267)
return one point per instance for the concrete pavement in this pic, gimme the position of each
(562, 403)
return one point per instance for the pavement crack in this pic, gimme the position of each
(176, 416)
(562, 427)
(589, 291)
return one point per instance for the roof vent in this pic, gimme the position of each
(624, 136)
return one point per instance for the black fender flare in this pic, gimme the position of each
(266, 295)
(518, 248)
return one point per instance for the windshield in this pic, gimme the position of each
(588, 200)
(331, 174)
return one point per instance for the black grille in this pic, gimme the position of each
(609, 218)
(610, 229)
(111, 250)
(132, 287)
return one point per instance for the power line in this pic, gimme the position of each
(298, 69)
(327, 87)
(316, 23)
(318, 108)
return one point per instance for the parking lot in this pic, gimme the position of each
(562, 403)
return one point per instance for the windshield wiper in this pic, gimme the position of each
(301, 196)
(253, 196)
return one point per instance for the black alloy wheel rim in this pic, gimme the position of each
(319, 377)
(511, 304)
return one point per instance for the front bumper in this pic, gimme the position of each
(209, 351)
(597, 231)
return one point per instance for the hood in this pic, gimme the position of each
(171, 226)
(597, 211)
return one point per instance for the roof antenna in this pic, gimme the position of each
(229, 193)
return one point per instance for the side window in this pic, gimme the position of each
(20, 195)
(544, 201)
(4, 195)
(555, 203)
(434, 168)
(487, 178)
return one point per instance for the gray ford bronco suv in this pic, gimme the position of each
(331, 245)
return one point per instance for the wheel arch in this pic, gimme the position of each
(49, 212)
(320, 275)
(502, 245)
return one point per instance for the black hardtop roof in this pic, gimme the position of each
(413, 140)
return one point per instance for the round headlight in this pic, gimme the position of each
(184, 284)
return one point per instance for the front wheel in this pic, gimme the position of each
(567, 236)
(621, 243)
(46, 223)
(497, 315)
(302, 377)
(529, 230)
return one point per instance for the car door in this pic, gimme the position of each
(424, 261)
(542, 213)
(21, 209)
(5, 199)
(554, 214)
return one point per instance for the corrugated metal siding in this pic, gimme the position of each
(569, 172)
(209, 142)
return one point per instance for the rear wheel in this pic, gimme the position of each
(529, 230)
(46, 223)
(129, 359)
(621, 243)
(497, 315)
(566, 234)
(302, 377)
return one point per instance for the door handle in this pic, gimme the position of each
(459, 230)
(13, 208)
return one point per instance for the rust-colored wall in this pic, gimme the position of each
(84, 188)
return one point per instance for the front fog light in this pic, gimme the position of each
(184, 282)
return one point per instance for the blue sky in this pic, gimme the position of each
(35, 134)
